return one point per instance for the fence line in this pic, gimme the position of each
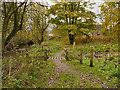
(67, 57)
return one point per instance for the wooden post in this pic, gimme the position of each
(91, 56)
(48, 51)
(66, 54)
(45, 55)
(42, 48)
(105, 56)
(81, 57)
(73, 46)
(10, 66)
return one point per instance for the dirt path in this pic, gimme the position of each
(61, 67)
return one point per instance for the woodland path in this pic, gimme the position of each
(62, 67)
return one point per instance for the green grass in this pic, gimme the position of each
(107, 73)
(54, 46)
(71, 80)
(26, 72)
(28, 69)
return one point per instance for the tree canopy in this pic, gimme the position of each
(109, 17)
(72, 16)
(16, 17)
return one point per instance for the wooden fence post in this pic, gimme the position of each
(42, 48)
(73, 46)
(10, 65)
(91, 56)
(48, 51)
(45, 56)
(66, 54)
(81, 57)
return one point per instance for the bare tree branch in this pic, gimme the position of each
(9, 8)
(23, 15)
(15, 10)
(42, 5)
(4, 6)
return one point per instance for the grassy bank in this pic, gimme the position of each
(28, 69)
(104, 68)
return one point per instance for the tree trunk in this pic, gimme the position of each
(71, 38)
(7, 15)
(4, 28)
(15, 30)
(42, 34)
(42, 38)
(17, 27)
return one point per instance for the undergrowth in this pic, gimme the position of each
(28, 69)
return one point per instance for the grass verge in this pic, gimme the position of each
(28, 69)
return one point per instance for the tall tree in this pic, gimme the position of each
(109, 17)
(72, 16)
(12, 11)
(38, 22)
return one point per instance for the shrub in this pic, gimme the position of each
(65, 38)
(102, 39)
(82, 39)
